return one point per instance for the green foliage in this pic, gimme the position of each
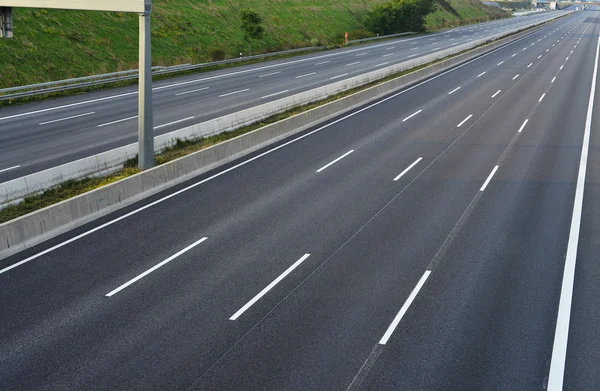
(252, 24)
(397, 16)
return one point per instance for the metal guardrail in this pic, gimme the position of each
(379, 37)
(107, 78)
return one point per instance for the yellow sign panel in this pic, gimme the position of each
(138, 6)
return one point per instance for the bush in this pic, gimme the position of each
(398, 16)
(216, 54)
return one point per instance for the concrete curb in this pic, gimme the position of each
(113, 160)
(36, 227)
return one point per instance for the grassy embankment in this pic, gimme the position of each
(55, 44)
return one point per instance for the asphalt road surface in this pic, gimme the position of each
(437, 239)
(45, 134)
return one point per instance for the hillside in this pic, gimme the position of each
(56, 44)
(449, 12)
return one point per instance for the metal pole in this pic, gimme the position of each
(145, 124)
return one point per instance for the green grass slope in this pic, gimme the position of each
(56, 44)
(449, 12)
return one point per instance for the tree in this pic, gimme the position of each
(397, 16)
(252, 26)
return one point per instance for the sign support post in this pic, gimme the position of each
(145, 123)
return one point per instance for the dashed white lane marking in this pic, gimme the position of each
(275, 94)
(234, 92)
(530, 64)
(173, 123)
(387, 55)
(10, 168)
(353, 63)
(412, 115)
(67, 118)
(500, 63)
(554, 78)
(454, 90)
(192, 91)
(489, 178)
(273, 73)
(117, 121)
(515, 76)
(305, 75)
(382, 64)
(408, 169)
(335, 161)
(523, 126)
(323, 62)
(338, 76)
(464, 120)
(497, 92)
(481, 74)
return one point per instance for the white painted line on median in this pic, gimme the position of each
(523, 126)
(464, 120)
(412, 115)
(554, 78)
(336, 160)
(305, 75)
(275, 94)
(338, 76)
(561, 334)
(353, 63)
(382, 64)
(173, 123)
(232, 168)
(117, 121)
(323, 62)
(500, 63)
(192, 91)
(516, 76)
(454, 90)
(10, 168)
(408, 168)
(234, 92)
(404, 308)
(489, 178)
(163, 263)
(272, 73)
(67, 118)
(497, 92)
(481, 74)
(268, 287)
(542, 97)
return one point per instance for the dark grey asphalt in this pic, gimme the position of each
(484, 319)
(33, 147)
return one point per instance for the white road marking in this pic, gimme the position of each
(523, 126)
(540, 56)
(542, 97)
(67, 118)
(561, 67)
(561, 334)
(10, 168)
(489, 178)
(234, 92)
(323, 62)
(382, 64)
(305, 75)
(393, 47)
(163, 263)
(353, 63)
(514, 55)
(497, 92)
(389, 54)
(192, 91)
(275, 94)
(173, 123)
(227, 170)
(338, 76)
(554, 78)
(516, 76)
(412, 115)
(464, 120)
(500, 63)
(268, 287)
(524, 49)
(273, 73)
(454, 90)
(481, 74)
(414, 48)
(361, 54)
(435, 43)
(408, 168)
(336, 160)
(404, 308)
(547, 50)
(530, 64)
(412, 55)
(567, 59)
(117, 121)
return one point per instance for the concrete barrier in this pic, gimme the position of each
(112, 160)
(36, 227)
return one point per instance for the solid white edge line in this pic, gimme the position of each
(454, 90)
(497, 92)
(173, 123)
(117, 121)
(243, 163)
(67, 118)
(489, 178)
(412, 115)
(408, 168)
(192, 91)
(234, 92)
(404, 308)
(523, 126)
(464, 120)
(561, 334)
(10, 168)
(336, 160)
(305, 75)
(144, 274)
(275, 94)
(268, 287)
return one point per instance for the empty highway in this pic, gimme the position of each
(439, 238)
(45, 134)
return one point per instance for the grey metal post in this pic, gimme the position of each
(145, 124)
